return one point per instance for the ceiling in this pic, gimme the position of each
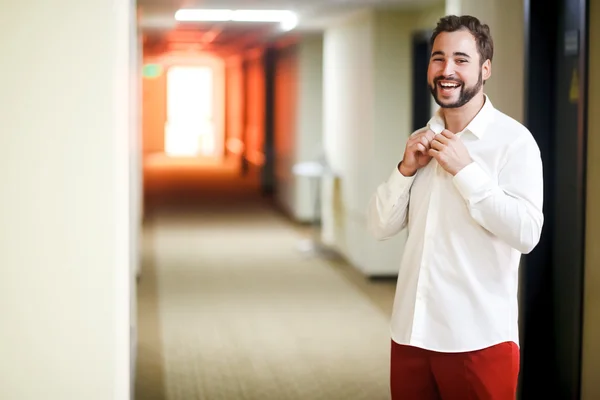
(162, 32)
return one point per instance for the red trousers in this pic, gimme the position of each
(487, 374)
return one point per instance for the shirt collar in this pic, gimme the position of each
(477, 126)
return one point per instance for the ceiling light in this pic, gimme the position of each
(288, 19)
(203, 15)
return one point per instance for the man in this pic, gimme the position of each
(469, 188)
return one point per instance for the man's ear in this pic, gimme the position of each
(486, 70)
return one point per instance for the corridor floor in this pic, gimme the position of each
(229, 309)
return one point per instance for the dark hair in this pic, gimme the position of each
(481, 32)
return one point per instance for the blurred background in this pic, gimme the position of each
(184, 186)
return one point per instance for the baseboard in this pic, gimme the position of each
(382, 277)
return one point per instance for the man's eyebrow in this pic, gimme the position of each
(458, 53)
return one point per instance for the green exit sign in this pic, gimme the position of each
(152, 71)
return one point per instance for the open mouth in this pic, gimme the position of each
(448, 87)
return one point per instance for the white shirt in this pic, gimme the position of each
(458, 277)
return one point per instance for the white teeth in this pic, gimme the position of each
(449, 85)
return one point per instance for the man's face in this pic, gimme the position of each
(455, 74)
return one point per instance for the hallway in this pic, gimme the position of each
(229, 309)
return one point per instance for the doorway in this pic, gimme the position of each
(190, 127)
(552, 280)
(421, 94)
(194, 112)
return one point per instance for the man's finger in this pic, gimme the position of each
(441, 138)
(419, 139)
(437, 145)
(429, 134)
(423, 135)
(434, 153)
(419, 148)
(414, 139)
(448, 134)
(422, 148)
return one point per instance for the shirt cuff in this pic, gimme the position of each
(471, 180)
(399, 184)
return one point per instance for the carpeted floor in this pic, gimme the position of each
(228, 309)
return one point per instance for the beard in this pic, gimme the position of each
(466, 93)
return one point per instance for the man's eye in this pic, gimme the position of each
(462, 61)
(438, 59)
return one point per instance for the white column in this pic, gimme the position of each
(136, 178)
(64, 220)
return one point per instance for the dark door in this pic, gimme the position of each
(421, 51)
(552, 278)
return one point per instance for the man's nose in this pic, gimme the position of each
(448, 69)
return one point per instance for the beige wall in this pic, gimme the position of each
(591, 316)
(427, 17)
(65, 215)
(506, 20)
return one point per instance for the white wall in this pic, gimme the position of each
(347, 123)
(309, 121)
(367, 119)
(299, 87)
(64, 220)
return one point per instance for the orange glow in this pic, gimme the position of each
(183, 110)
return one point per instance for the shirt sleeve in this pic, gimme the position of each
(388, 207)
(511, 209)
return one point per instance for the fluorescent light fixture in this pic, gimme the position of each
(288, 19)
(203, 15)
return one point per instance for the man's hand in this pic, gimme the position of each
(450, 152)
(416, 153)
